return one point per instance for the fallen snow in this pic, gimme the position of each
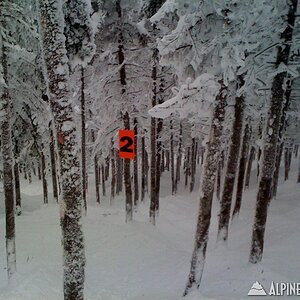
(137, 261)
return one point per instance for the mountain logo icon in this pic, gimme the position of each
(257, 290)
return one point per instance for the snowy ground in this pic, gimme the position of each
(140, 262)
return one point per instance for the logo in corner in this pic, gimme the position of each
(257, 290)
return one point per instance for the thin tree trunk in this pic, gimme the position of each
(206, 194)
(178, 162)
(44, 180)
(241, 173)
(113, 173)
(153, 139)
(39, 171)
(143, 175)
(96, 170)
(172, 158)
(249, 167)
(103, 179)
(270, 142)
(187, 166)
(7, 158)
(135, 165)
(218, 191)
(83, 142)
(53, 166)
(232, 164)
(17, 189)
(193, 164)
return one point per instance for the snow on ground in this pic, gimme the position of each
(137, 261)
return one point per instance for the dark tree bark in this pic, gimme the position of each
(103, 179)
(232, 164)
(249, 166)
(143, 175)
(53, 165)
(44, 179)
(17, 188)
(135, 165)
(172, 158)
(113, 173)
(207, 190)
(270, 141)
(7, 157)
(96, 171)
(241, 172)
(178, 161)
(193, 164)
(187, 166)
(218, 191)
(83, 141)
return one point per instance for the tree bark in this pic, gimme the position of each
(249, 166)
(135, 165)
(55, 59)
(113, 173)
(44, 179)
(83, 142)
(172, 158)
(270, 142)
(241, 173)
(232, 164)
(103, 179)
(143, 175)
(7, 157)
(206, 194)
(53, 165)
(17, 188)
(178, 161)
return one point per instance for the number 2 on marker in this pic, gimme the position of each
(126, 144)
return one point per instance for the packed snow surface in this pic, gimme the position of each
(137, 261)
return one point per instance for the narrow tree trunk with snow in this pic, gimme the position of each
(143, 171)
(206, 193)
(103, 179)
(178, 160)
(241, 171)
(17, 188)
(232, 165)
(83, 141)
(113, 173)
(172, 158)
(135, 165)
(7, 158)
(270, 141)
(56, 62)
(44, 179)
(249, 166)
(53, 165)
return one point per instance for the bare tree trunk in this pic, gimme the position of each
(7, 157)
(206, 194)
(103, 179)
(218, 191)
(270, 142)
(193, 164)
(135, 165)
(232, 164)
(113, 173)
(17, 188)
(39, 170)
(187, 166)
(168, 160)
(249, 166)
(83, 142)
(178, 161)
(107, 165)
(241, 173)
(44, 180)
(298, 181)
(53, 165)
(153, 141)
(172, 158)
(143, 175)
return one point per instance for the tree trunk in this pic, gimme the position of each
(135, 165)
(249, 167)
(83, 142)
(270, 142)
(7, 158)
(153, 138)
(143, 175)
(193, 164)
(241, 173)
(178, 161)
(218, 191)
(53, 166)
(206, 193)
(70, 171)
(187, 166)
(103, 179)
(172, 158)
(232, 164)
(17, 189)
(113, 173)
(44, 180)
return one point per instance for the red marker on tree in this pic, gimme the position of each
(126, 144)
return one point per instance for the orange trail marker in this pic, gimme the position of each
(126, 144)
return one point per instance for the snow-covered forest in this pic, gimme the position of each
(149, 149)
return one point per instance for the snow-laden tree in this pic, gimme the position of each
(66, 38)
